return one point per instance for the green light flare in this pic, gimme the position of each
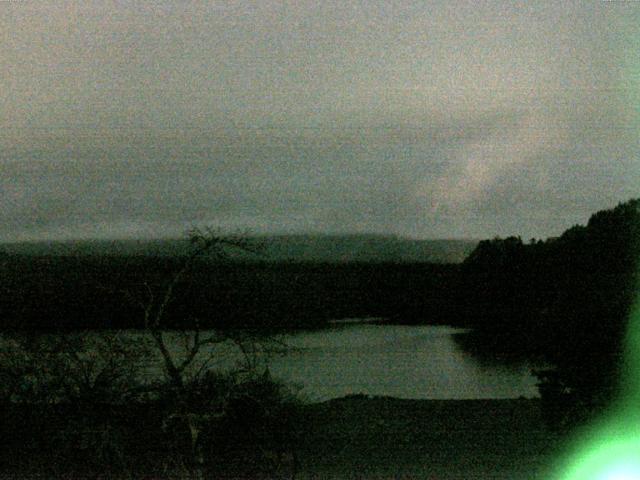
(609, 449)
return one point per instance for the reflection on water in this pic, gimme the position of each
(400, 361)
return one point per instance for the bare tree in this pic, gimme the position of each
(207, 242)
(87, 368)
(197, 345)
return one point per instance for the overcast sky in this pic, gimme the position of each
(428, 119)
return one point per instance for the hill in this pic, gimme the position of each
(278, 248)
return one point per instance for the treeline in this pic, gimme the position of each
(109, 291)
(565, 300)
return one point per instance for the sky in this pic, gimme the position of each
(447, 119)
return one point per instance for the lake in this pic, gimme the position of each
(355, 357)
(395, 360)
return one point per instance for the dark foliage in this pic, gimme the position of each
(565, 300)
(248, 426)
(58, 292)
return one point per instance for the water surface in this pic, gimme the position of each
(395, 360)
(420, 362)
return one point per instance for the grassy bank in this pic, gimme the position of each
(362, 438)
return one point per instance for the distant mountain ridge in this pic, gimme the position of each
(278, 248)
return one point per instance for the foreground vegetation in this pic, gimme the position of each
(238, 424)
(78, 404)
(351, 438)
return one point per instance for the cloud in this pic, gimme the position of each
(430, 120)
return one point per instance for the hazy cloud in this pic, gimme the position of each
(426, 119)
